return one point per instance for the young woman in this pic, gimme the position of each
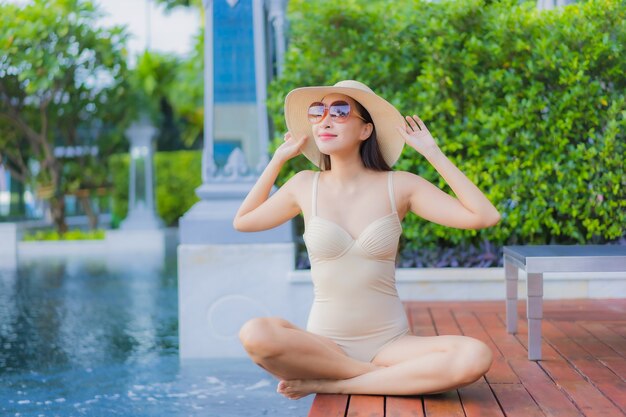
(357, 339)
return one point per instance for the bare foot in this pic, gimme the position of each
(298, 388)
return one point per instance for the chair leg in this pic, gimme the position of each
(534, 313)
(511, 276)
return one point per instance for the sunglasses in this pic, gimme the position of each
(339, 111)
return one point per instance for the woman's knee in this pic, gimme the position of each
(259, 336)
(475, 359)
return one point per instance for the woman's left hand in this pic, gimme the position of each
(417, 136)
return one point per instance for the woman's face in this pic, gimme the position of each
(338, 138)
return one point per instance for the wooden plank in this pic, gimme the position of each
(500, 371)
(619, 328)
(562, 343)
(585, 395)
(443, 405)
(611, 385)
(470, 326)
(366, 406)
(404, 406)
(617, 365)
(478, 401)
(543, 390)
(586, 366)
(508, 345)
(547, 351)
(516, 401)
(422, 322)
(586, 340)
(607, 336)
(583, 369)
(444, 322)
(589, 400)
(601, 389)
(329, 405)
(559, 370)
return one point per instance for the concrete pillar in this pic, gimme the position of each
(8, 246)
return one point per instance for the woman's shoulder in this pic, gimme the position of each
(301, 178)
(404, 176)
(406, 181)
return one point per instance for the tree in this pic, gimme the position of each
(62, 84)
(171, 92)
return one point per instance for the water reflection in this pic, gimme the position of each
(100, 337)
(68, 312)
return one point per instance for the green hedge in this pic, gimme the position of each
(73, 234)
(177, 174)
(529, 104)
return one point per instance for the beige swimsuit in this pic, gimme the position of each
(356, 301)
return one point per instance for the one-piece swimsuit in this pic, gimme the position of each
(356, 301)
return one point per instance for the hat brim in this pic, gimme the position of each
(385, 116)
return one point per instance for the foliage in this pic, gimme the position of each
(172, 4)
(73, 234)
(186, 93)
(529, 104)
(155, 79)
(187, 97)
(177, 176)
(170, 91)
(62, 84)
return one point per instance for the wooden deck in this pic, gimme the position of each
(582, 373)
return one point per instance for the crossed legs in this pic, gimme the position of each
(307, 363)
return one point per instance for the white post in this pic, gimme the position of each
(277, 18)
(141, 207)
(208, 162)
(260, 75)
(8, 246)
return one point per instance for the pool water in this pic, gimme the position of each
(92, 337)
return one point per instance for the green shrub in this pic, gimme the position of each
(529, 104)
(177, 174)
(73, 234)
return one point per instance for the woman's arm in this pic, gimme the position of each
(472, 209)
(258, 212)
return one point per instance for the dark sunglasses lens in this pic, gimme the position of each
(339, 110)
(316, 111)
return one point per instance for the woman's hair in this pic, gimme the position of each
(370, 152)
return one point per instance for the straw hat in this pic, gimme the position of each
(385, 116)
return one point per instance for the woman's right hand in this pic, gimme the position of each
(290, 147)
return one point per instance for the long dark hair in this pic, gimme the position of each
(370, 152)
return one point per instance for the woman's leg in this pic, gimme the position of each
(289, 352)
(411, 365)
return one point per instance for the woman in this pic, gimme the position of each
(357, 339)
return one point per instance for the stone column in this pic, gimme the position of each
(208, 162)
(210, 220)
(142, 230)
(276, 16)
(226, 277)
(8, 246)
(141, 207)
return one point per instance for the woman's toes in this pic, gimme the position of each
(280, 387)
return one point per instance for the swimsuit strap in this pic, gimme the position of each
(391, 196)
(314, 196)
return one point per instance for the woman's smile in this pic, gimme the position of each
(327, 136)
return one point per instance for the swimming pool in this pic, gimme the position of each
(79, 337)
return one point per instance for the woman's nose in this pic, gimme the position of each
(326, 120)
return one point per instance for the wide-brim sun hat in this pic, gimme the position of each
(385, 116)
